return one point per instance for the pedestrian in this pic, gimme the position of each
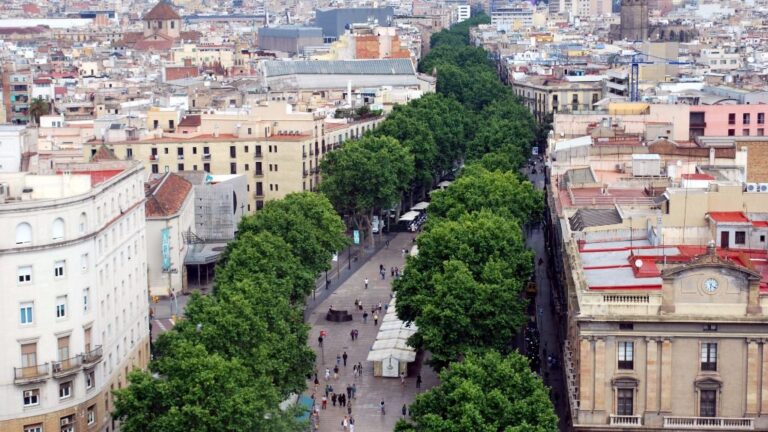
(316, 380)
(418, 381)
(320, 341)
(375, 319)
(324, 403)
(402, 379)
(405, 410)
(365, 317)
(392, 271)
(354, 389)
(386, 244)
(360, 368)
(333, 399)
(381, 267)
(352, 334)
(354, 371)
(379, 306)
(330, 388)
(338, 359)
(381, 404)
(327, 374)
(349, 390)
(366, 283)
(342, 400)
(382, 273)
(357, 334)
(327, 390)
(349, 408)
(345, 357)
(345, 424)
(335, 372)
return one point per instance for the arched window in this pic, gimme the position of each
(83, 223)
(23, 233)
(57, 231)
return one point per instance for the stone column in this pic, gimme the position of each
(586, 369)
(666, 375)
(652, 376)
(753, 377)
(764, 393)
(600, 374)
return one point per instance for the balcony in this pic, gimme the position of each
(258, 194)
(93, 356)
(258, 155)
(153, 157)
(180, 157)
(258, 173)
(30, 374)
(67, 367)
(206, 156)
(709, 423)
(626, 420)
(306, 173)
(304, 155)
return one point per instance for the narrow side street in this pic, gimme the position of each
(370, 390)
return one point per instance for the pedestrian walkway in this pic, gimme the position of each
(370, 390)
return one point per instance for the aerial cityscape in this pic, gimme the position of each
(409, 216)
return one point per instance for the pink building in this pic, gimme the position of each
(727, 120)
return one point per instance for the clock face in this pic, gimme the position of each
(710, 285)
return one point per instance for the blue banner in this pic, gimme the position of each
(166, 232)
(356, 236)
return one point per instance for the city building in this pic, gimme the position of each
(334, 21)
(16, 83)
(169, 209)
(546, 96)
(15, 141)
(75, 305)
(634, 20)
(290, 39)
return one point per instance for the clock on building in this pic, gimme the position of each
(710, 285)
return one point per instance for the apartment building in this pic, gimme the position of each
(278, 150)
(74, 309)
(17, 89)
(545, 96)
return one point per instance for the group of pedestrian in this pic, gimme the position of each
(348, 424)
(357, 370)
(341, 398)
(354, 334)
(394, 272)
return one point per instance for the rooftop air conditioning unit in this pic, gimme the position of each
(64, 421)
(751, 187)
(762, 187)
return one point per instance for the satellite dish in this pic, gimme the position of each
(639, 263)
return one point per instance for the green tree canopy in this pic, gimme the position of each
(491, 247)
(488, 393)
(366, 174)
(306, 222)
(503, 193)
(201, 392)
(463, 315)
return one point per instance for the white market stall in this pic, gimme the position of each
(390, 352)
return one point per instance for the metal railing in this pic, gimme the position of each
(31, 372)
(67, 365)
(711, 423)
(93, 355)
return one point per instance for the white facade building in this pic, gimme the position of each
(74, 311)
(14, 140)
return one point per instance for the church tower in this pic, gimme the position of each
(634, 20)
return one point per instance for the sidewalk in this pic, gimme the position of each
(370, 390)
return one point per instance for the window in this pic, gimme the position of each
(25, 274)
(181, 167)
(731, 132)
(760, 118)
(741, 237)
(173, 25)
(23, 233)
(745, 132)
(709, 356)
(710, 327)
(26, 313)
(250, 131)
(61, 306)
(624, 402)
(708, 403)
(65, 390)
(745, 118)
(180, 152)
(155, 169)
(34, 428)
(90, 414)
(90, 379)
(275, 167)
(207, 167)
(86, 298)
(626, 326)
(732, 118)
(270, 167)
(760, 132)
(194, 150)
(245, 149)
(232, 151)
(57, 231)
(247, 167)
(83, 223)
(58, 268)
(626, 355)
(84, 262)
(233, 168)
(31, 398)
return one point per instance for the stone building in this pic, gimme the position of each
(634, 20)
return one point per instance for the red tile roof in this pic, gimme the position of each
(103, 153)
(698, 176)
(167, 197)
(190, 121)
(162, 11)
(728, 217)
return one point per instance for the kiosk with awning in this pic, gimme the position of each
(420, 206)
(390, 352)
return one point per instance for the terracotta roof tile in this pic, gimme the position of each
(162, 11)
(167, 197)
(190, 121)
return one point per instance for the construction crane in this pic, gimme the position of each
(639, 58)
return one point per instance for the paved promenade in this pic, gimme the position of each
(370, 390)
